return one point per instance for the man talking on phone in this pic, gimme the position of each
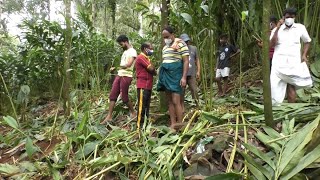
(289, 69)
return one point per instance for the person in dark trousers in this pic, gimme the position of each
(273, 24)
(144, 74)
(225, 53)
(123, 80)
(194, 70)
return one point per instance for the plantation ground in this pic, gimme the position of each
(209, 143)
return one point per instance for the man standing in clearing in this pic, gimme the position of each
(225, 53)
(289, 68)
(173, 73)
(144, 73)
(123, 80)
(194, 70)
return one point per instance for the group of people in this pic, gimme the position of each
(181, 66)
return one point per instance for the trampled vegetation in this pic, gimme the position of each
(56, 78)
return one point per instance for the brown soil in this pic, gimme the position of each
(46, 147)
(4, 129)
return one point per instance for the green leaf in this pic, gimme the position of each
(315, 68)
(122, 176)
(244, 14)
(300, 177)
(228, 116)
(11, 122)
(259, 106)
(187, 17)
(303, 163)
(56, 174)
(151, 142)
(258, 166)
(8, 169)
(143, 172)
(160, 149)
(87, 149)
(288, 126)
(25, 89)
(170, 171)
(256, 172)
(124, 160)
(30, 148)
(83, 122)
(261, 155)
(294, 161)
(271, 132)
(102, 161)
(297, 143)
(248, 112)
(163, 139)
(227, 176)
(205, 8)
(118, 133)
(27, 166)
(264, 138)
(212, 117)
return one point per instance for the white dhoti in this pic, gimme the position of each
(287, 70)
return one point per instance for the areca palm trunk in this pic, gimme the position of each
(67, 49)
(266, 65)
(164, 23)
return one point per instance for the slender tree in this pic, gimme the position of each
(67, 49)
(266, 64)
(113, 7)
(164, 23)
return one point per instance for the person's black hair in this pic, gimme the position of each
(144, 45)
(122, 38)
(169, 29)
(223, 36)
(273, 19)
(290, 11)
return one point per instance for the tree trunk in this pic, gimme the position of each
(93, 13)
(220, 18)
(164, 13)
(49, 9)
(164, 23)
(67, 49)
(105, 20)
(113, 7)
(266, 65)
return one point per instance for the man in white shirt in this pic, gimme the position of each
(123, 80)
(289, 69)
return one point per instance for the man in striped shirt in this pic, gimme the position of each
(173, 73)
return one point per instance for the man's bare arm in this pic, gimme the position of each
(305, 52)
(129, 64)
(151, 69)
(198, 67)
(274, 38)
(183, 81)
(236, 53)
